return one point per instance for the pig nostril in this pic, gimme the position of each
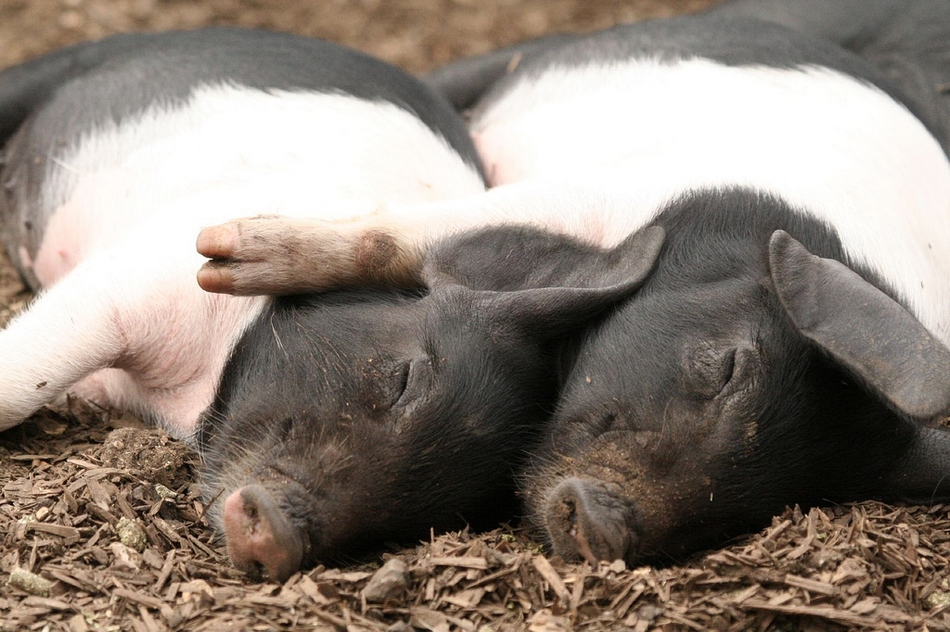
(586, 521)
(570, 511)
(259, 535)
(607, 422)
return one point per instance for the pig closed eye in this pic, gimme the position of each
(409, 380)
(728, 368)
(720, 372)
(737, 368)
(402, 381)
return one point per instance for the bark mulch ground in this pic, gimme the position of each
(104, 531)
(101, 523)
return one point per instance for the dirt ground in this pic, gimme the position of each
(102, 524)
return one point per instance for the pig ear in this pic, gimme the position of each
(512, 258)
(865, 330)
(545, 284)
(590, 282)
(550, 312)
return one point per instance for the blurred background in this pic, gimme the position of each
(415, 34)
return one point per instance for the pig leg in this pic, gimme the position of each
(286, 255)
(134, 310)
(283, 255)
(66, 334)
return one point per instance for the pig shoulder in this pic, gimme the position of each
(337, 113)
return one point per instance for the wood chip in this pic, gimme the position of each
(131, 595)
(479, 563)
(550, 575)
(810, 585)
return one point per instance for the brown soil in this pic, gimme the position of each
(102, 521)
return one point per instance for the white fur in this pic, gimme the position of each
(125, 322)
(596, 151)
(831, 145)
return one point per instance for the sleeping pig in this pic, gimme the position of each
(328, 424)
(790, 345)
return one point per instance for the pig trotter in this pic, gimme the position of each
(260, 536)
(219, 242)
(284, 255)
(587, 522)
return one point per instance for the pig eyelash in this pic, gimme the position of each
(413, 373)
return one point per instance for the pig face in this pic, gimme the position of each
(697, 413)
(354, 418)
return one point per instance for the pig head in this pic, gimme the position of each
(747, 375)
(350, 419)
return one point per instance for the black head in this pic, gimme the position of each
(350, 419)
(729, 389)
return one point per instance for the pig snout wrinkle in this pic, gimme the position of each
(587, 522)
(259, 534)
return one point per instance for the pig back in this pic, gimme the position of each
(49, 105)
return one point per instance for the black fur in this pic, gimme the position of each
(744, 416)
(377, 416)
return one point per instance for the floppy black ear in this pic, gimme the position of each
(545, 284)
(881, 343)
(509, 258)
(548, 313)
(865, 330)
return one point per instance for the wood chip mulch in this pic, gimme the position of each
(101, 522)
(103, 530)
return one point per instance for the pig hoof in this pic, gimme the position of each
(215, 276)
(219, 242)
(586, 521)
(260, 536)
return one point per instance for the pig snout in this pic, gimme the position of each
(260, 536)
(585, 520)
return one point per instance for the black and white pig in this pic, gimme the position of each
(328, 425)
(791, 344)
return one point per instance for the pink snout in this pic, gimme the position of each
(260, 536)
